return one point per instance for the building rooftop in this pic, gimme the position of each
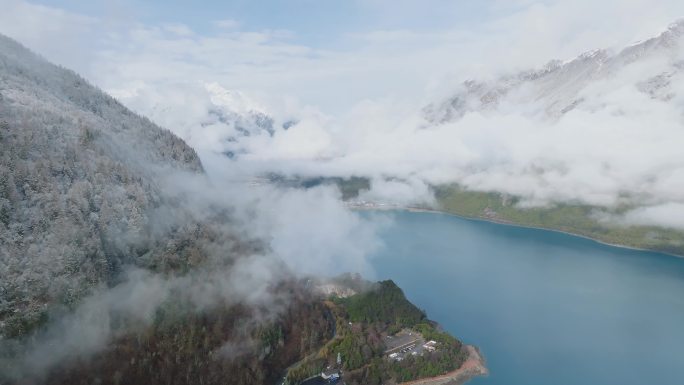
(330, 372)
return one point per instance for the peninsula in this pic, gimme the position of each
(382, 338)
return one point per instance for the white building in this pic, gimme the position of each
(331, 374)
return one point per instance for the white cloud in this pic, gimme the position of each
(382, 62)
(314, 233)
(61, 36)
(668, 214)
(619, 141)
(310, 230)
(398, 192)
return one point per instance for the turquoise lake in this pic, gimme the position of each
(545, 308)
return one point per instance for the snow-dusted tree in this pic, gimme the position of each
(79, 181)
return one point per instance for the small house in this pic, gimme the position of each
(331, 374)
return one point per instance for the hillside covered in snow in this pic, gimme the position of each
(78, 186)
(559, 87)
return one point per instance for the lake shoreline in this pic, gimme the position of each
(508, 223)
(473, 366)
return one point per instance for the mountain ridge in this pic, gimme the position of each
(554, 88)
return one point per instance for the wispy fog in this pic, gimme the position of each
(311, 230)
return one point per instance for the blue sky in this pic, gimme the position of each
(318, 23)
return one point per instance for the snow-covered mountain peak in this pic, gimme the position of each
(595, 54)
(559, 87)
(233, 100)
(210, 116)
(677, 28)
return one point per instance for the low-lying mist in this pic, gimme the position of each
(250, 239)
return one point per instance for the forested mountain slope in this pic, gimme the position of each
(78, 186)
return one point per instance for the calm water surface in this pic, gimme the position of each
(545, 308)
